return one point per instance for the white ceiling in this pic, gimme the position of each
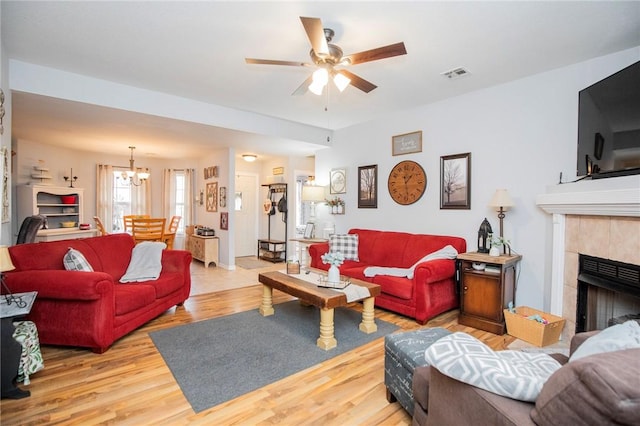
(196, 50)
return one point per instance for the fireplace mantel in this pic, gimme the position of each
(603, 197)
(613, 198)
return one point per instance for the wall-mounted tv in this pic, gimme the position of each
(609, 126)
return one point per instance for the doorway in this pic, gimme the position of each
(246, 215)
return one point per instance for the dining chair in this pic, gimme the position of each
(170, 235)
(128, 220)
(148, 229)
(100, 226)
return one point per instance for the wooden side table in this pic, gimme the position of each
(303, 248)
(484, 294)
(203, 248)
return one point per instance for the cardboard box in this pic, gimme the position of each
(532, 331)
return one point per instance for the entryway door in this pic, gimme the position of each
(246, 215)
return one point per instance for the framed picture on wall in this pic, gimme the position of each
(224, 221)
(338, 181)
(407, 143)
(212, 197)
(368, 187)
(455, 181)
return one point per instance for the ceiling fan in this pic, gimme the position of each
(327, 57)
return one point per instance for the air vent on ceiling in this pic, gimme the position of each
(456, 73)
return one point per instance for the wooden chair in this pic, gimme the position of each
(148, 229)
(100, 226)
(170, 235)
(128, 220)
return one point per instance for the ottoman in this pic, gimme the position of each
(403, 352)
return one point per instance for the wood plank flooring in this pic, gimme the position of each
(131, 385)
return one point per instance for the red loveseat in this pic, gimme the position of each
(93, 309)
(431, 291)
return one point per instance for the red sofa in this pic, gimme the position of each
(431, 291)
(93, 309)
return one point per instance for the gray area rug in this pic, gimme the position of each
(219, 359)
(251, 262)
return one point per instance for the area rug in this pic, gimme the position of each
(251, 262)
(219, 359)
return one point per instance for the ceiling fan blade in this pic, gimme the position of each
(358, 82)
(302, 89)
(315, 32)
(376, 54)
(254, 61)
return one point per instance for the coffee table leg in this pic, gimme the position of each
(367, 325)
(266, 308)
(326, 340)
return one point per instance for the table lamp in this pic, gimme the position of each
(313, 194)
(501, 201)
(7, 265)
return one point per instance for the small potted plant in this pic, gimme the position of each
(334, 259)
(496, 243)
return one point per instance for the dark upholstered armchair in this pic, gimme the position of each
(29, 228)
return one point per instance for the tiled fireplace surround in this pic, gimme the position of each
(599, 218)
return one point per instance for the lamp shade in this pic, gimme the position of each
(312, 193)
(5, 260)
(501, 199)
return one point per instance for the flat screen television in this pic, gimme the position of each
(609, 126)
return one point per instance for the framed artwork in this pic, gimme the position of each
(278, 170)
(210, 172)
(455, 181)
(407, 143)
(368, 187)
(212, 197)
(224, 221)
(338, 181)
(598, 146)
(223, 196)
(308, 230)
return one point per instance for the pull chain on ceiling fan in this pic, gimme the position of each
(327, 57)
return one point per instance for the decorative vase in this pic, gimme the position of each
(334, 274)
(340, 209)
(334, 209)
(494, 251)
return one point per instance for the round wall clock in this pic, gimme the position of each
(407, 182)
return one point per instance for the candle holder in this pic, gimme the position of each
(71, 179)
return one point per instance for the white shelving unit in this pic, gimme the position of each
(47, 201)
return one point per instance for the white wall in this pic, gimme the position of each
(521, 135)
(5, 138)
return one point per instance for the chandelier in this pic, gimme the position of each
(134, 172)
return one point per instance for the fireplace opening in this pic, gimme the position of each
(608, 293)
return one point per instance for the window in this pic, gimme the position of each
(121, 201)
(180, 197)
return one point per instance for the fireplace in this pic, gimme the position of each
(608, 293)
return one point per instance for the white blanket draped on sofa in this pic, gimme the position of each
(447, 252)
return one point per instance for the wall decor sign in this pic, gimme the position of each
(212, 197)
(455, 181)
(278, 170)
(407, 143)
(224, 221)
(6, 208)
(223, 196)
(368, 187)
(338, 181)
(210, 172)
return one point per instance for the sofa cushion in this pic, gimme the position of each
(347, 244)
(614, 338)
(395, 286)
(73, 260)
(514, 374)
(130, 297)
(167, 284)
(603, 388)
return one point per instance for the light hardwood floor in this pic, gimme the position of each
(131, 385)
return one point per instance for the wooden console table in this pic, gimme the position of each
(203, 248)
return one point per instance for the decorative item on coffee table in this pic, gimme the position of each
(335, 260)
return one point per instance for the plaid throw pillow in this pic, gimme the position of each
(347, 244)
(75, 261)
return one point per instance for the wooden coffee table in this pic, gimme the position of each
(324, 298)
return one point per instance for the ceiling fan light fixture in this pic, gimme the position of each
(316, 88)
(321, 77)
(341, 81)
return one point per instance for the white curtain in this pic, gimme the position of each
(104, 195)
(141, 198)
(169, 195)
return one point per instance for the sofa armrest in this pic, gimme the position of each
(315, 252)
(61, 284)
(579, 339)
(176, 260)
(434, 270)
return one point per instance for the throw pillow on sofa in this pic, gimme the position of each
(75, 261)
(614, 338)
(146, 262)
(514, 374)
(347, 244)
